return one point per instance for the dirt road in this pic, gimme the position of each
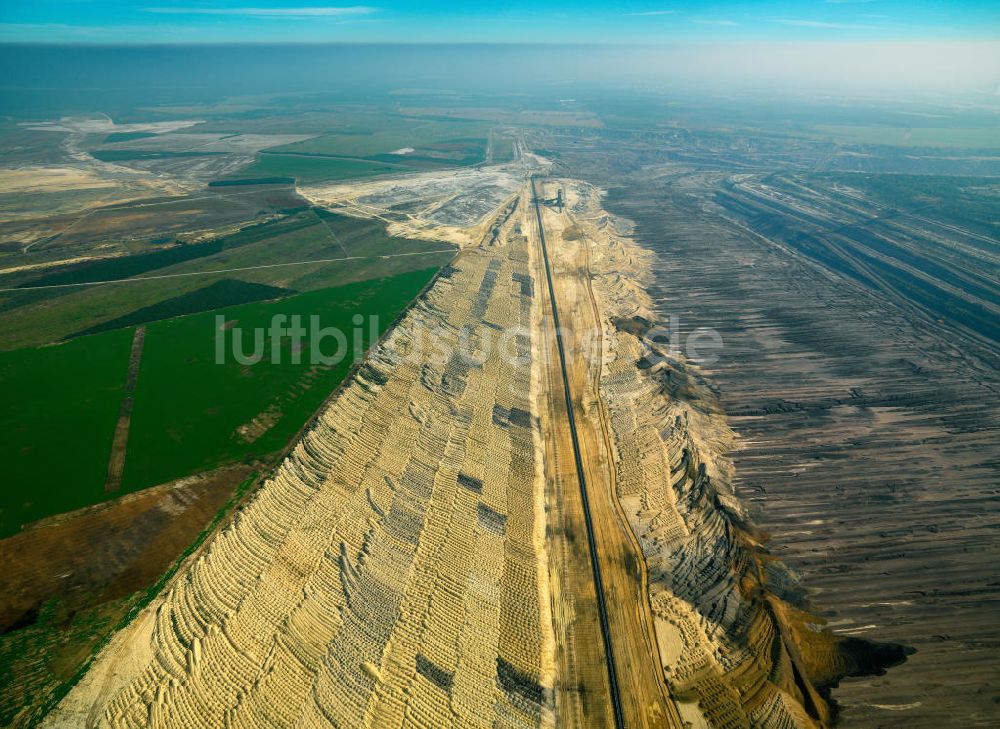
(618, 625)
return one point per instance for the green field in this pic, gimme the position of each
(307, 169)
(113, 269)
(60, 403)
(188, 408)
(58, 408)
(394, 133)
(226, 292)
(503, 149)
(947, 137)
(127, 136)
(260, 251)
(360, 151)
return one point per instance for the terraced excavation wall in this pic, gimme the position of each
(392, 571)
(734, 652)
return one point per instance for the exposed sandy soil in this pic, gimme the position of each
(104, 125)
(50, 179)
(34, 190)
(584, 698)
(429, 206)
(44, 192)
(48, 264)
(116, 462)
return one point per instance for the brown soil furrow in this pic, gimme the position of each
(116, 463)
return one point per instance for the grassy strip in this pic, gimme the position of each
(127, 136)
(114, 269)
(253, 181)
(123, 155)
(227, 292)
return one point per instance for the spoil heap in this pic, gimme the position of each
(392, 570)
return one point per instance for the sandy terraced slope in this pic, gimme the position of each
(392, 570)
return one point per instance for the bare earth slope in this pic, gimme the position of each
(734, 653)
(869, 439)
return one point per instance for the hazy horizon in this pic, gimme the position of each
(845, 46)
(887, 71)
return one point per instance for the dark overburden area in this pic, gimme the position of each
(861, 369)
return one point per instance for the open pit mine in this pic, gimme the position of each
(516, 512)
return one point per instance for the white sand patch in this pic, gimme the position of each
(444, 205)
(50, 179)
(106, 125)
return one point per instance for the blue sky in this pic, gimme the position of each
(189, 21)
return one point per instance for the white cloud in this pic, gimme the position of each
(14, 32)
(820, 24)
(313, 12)
(37, 26)
(712, 21)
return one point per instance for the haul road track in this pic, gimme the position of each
(591, 542)
(616, 679)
